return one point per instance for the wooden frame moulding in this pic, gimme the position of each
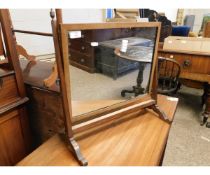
(106, 117)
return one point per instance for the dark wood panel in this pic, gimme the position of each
(46, 114)
(81, 58)
(81, 46)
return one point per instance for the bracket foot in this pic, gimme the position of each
(161, 113)
(77, 153)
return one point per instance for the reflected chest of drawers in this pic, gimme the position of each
(82, 54)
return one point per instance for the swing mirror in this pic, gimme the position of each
(110, 65)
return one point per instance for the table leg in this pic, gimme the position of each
(138, 89)
(206, 113)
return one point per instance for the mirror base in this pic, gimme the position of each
(77, 153)
(160, 113)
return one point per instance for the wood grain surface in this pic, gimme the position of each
(140, 141)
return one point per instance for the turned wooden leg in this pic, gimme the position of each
(206, 113)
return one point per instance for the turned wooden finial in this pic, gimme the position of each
(52, 13)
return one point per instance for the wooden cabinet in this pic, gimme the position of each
(14, 128)
(15, 142)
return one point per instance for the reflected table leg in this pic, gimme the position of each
(138, 89)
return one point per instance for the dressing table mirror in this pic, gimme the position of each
(111, 69)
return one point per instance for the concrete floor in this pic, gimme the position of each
(188, 143)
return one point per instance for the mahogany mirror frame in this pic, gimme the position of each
(65, 28)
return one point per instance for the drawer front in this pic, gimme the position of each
(185, 61)
(192, 63)
(201, 64)
(8, 90)
(81, 58)
(81, 46)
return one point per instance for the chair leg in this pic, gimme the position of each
(178, 87)
(205, 118)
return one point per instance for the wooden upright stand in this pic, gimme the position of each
(64, 89)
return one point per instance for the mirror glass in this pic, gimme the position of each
(109, 66)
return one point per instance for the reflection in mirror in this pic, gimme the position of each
(109, 66)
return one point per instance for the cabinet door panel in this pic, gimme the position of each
(12, 147)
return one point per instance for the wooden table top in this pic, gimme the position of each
(160, 49)
(140, 141)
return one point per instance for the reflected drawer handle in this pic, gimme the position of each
(186, 63)
(82, 60)
(1, 83)
(171, 56)
(83, 47)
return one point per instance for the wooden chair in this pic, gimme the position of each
(168, 75)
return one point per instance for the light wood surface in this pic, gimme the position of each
(140, 141)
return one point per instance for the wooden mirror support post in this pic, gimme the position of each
(95, 121)
(64, 91)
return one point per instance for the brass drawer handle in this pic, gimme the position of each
(1, 82)
(82, 60)
(186, 63)
(83, 47)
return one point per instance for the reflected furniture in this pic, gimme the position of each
(109, 63)
(168, 75)
(142, 56)
(15, 141)
(82, 54)
(85, 57)
(195, 72)
(135, 146)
